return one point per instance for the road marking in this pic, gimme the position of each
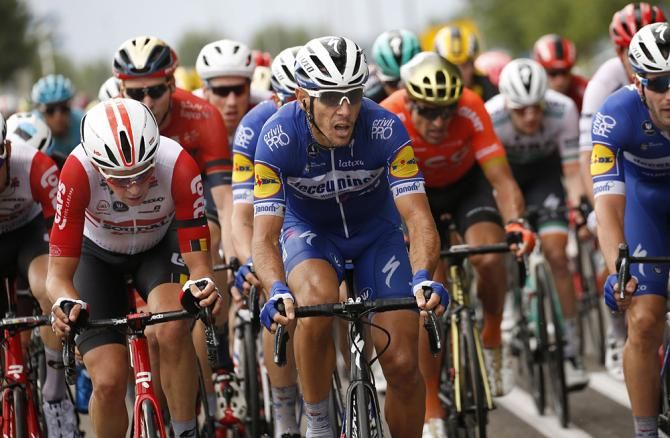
(521, 404)
(609, 387)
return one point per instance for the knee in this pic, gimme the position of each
(401, 368)
(172, 335)
(556, 256)
(109, 387)
(488, 265)
(644, 330)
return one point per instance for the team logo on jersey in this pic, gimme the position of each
(243, 168)
(603, 124)
(648, 128)
(404, 165)
(602, 159)
(119, 206)
(266, 181)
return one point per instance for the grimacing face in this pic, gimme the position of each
(159, 106)
(336, 122)
(231, 105)
(657, 102)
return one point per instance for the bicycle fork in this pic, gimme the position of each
(139, 361)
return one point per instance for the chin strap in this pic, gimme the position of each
(312, 121)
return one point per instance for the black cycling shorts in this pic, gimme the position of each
(468, 201)
(542, 187)
(102, 281)
(18, 248)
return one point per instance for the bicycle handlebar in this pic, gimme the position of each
(623, 262)
(24, 322)
(233, 265)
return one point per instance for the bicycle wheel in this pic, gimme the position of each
(148, 422)
(251, 381)
(335, 405)
(539, 355)
(664, 402)
(555, 346)
(360, 424)
(590, 311)
(19, 408)
(473, 388)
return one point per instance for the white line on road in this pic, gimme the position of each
(522, 405)
(609, 387)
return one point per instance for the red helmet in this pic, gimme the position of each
(263, 59)
(492, 63)
(555, 52)
(626, 22)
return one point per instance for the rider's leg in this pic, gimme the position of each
(284, 386)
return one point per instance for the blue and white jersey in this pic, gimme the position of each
(244, 148)
(627, 146)
(339, 190)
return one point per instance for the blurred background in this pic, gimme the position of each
(78, 37)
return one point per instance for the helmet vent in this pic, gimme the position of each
(126, 149)
(358, 61)
(111, 157)
(141, 154)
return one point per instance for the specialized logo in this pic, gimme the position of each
(404, 165)
(243, 136)
(243, 168)
(602, 159)
(603, 124)
(389, 269)
(266, 181)
(119, 206)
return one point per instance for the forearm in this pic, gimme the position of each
(242, 230)
(610, 229)
(509, 199)
(59, 286)
(267, 259)
(424, 240)
(585, 172)
(198, 264)
(573, 183)
(224, 205)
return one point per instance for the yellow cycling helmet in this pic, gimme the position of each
(457, 44)
(431, 79)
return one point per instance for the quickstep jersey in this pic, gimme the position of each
(244, 149)
(338, 190)
(559, 130)
(87, 205)
(33, 182)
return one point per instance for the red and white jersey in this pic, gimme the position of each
(33, 182)
(87, 206)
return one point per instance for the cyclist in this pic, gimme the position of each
(492, 62)
(390, 51)
(630, 145)
(52, 96)
(109, 89)
(461, 160)
(129, 202)
(284, 388)
(558, 55)
(334, 173)
(539, 128)
(459, 44)
(612, 75)
(28, 185)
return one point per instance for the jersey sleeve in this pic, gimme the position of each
(610, 133)
(72, 197)
(485, 142)
(44, 183)
(214, 150)
(187, 193)
(402, 168)
(270, 166)
(244, 147)
(568, 140)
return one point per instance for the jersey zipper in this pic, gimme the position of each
(337, 194)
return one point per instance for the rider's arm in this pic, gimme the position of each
(44, 183)
(243, 198)
(243, 229)
(508, 194)
(60, 278)
(425, 247)
(610, 213)
(585, 173)
(265, 249)
(568, 143)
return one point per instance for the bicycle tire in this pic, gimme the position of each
(251, 381)
(476, 428)
(664, 401)
(541, 348)
(335, 408)
(362, 420)
(148, 421)
(555, 348)
(591, 312)
(19, 408)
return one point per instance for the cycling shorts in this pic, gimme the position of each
(379, 255)
(19, 247)
(102, 281)
(542, 187)
(467, 202)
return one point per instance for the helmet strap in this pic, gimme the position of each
(312, 121)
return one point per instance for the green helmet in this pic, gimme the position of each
(391, 50)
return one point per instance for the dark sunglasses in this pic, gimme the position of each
(60, 107)
(225, 90)
(154, 92)
(559, 72)
(334, 98)
(660, 84)
(433, 112)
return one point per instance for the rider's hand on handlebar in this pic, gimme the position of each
(439, 299)
(60, 322)
(612, 295)
(206, 292)
(244, 279)
(270, 316)
(527, 237)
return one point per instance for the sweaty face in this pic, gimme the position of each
(658, 102)
(527, 120)
(336, 121)
(232, 96)
(155, 93)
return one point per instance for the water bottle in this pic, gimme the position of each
(84, 389)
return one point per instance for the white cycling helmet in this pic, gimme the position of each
(283, 73)
(648, 50)
(109, 89)
(120, 135)
(225, 58)
(330, 62)
(29, 128)
(523, 82)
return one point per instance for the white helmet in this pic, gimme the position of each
(330, 62)
(523, 82)
(225, 58)
(29, 128)
(648, 50)
(120, 134)
(283, 73)
(109, 89)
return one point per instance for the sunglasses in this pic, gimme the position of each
(154, 92)
(125, 182)
(50, 110)
(660, 84)
(225, 90)
(559, 72)
(334, 98)
(433, 112)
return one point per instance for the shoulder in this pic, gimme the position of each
(282, 133)
(624, 100)
(22, 152)
(190, 106)
(395, 102)
(495, 106)
(617, 117)
(379, 124)
(250, 127)
(559, 105)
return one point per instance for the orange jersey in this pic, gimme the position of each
(198, 127)
(470, 139)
